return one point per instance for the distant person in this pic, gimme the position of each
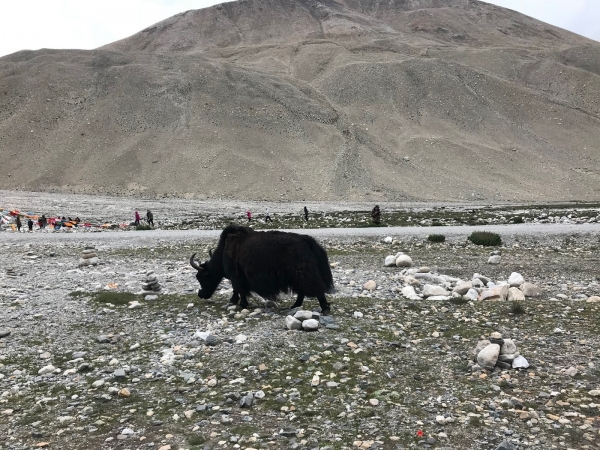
(137, 218)
(42, 222)
(30, 225)
(376, 215)
(150, 218)
(19, 224)
(249, 215)
(306, 213)
(268, 216)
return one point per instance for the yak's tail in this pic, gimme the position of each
(322, 265)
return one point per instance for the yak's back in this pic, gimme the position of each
(290, 255)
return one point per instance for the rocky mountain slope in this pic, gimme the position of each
(312, 100)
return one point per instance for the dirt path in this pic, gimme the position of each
(129, 238)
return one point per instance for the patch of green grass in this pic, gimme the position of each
(79, 294)
(115, 298)
(458, 300)
(197, 440)
(143, 228)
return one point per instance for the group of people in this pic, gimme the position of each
(56, 222)
(268, 215)
(149, 218)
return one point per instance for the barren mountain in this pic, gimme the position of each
(316, 100)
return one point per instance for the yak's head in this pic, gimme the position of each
(208, 281)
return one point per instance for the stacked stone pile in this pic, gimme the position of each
(89, 256)
(423, 283)
(10, 272)
(497, 352)
(303, 320)
(398, 260)
(151, 286)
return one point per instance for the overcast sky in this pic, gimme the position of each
(87, 24)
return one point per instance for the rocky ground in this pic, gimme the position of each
(88, 362)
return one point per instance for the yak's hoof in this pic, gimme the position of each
(326, 311)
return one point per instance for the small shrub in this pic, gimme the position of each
(436, 238)
(517, 219)
(517, 307)
(485, 238)
(143, 227)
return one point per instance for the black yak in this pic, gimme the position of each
(267, 263)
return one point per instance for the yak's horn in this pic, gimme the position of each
(210, 252)
(193, 263)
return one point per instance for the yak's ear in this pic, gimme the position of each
(232, 245)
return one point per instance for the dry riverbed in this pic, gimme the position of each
(397, 377)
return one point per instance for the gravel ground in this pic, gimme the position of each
(386, 370)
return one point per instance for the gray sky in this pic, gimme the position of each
(87, 24)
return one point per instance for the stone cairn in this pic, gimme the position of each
(10, 272)
(151, 286)
(497, 352)
(89, 256)
(303, 320)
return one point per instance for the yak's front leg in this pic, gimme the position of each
(299, 301)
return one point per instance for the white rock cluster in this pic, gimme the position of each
(498, 352)
(151, 286)
(302, 320)
(89, 257)
(423, 283)
(398, 260)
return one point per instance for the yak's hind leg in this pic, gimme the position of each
(325, 308)
(299, 301)
(235, 298)
(244, 301)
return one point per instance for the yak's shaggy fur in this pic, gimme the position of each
(267, 263)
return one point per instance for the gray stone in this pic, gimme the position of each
(508, 347)
(403, 261)
(520, 363)
(531, 290)
(409, 293)
(506, 445)
(4, 333)
(151, 297)
(46, 369)
(390, 261)
(494, 259)
(119, 374)
(472, 294)
(430, 290)
(370, 285)
(246, 401)
(211, 340)
(303, 315)
(480, 346)
(292, 323)
(515, 295)
(463, 288)
(515, 279)
(310, 325)
(488, 357)
(496, 293)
